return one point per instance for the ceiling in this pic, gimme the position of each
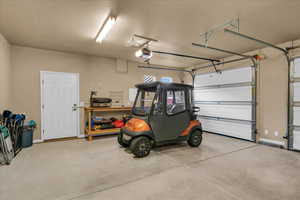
(71, 25)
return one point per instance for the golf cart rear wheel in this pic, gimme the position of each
(120, 140)
(195, 138)
(140, 146)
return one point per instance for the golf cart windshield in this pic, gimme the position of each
(143, 102)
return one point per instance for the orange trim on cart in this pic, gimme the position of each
(137, 125)
(189, 128)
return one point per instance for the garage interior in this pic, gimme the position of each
(72, 74)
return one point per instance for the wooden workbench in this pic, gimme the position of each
(88, 113)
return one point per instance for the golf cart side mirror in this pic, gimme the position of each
(196, 109)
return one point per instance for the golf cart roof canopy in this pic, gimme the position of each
(154, 85)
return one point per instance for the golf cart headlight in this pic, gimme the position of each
(126, 137)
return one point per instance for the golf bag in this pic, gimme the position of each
(6, 147)
(11, 130)
(15, 126)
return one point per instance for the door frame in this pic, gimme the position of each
(42, 90)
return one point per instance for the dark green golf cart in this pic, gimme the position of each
(163, 114)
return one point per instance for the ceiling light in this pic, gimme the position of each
(144, 53)
(109, 22)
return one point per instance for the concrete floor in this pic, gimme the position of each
(222, 168)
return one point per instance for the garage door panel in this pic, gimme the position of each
(296, 68)
(224, 94)
(234, 129)
(226, 102)
(243, 112)
(226, 77)
(296, 142)
(296, 91)
(296, 116)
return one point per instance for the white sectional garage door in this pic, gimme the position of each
(294, 128)
(227, 102)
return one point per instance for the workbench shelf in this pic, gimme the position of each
(88, 113)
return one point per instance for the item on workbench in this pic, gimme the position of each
(92, 123)
(118, 123)
(105, 121)
(96, 127)
(113, 119)
(97, 102)
(107, 126)
(96, 120)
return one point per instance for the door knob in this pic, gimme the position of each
(74, 108)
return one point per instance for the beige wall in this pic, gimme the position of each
(96, 73)
(272, 91)
(5, 74)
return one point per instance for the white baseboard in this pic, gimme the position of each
(37, 141)
(41, 141)
(268, 141)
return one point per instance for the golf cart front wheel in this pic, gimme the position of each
(140, 146)
(120, 140)
(195, 138)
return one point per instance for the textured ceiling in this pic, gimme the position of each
(71, 25)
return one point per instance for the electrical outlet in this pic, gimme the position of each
(266, 131)
(276, 133)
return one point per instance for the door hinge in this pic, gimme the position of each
(43, 81)
(43, 106)
(43, 132)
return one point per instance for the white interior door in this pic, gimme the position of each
(59, 101)
(227, 102)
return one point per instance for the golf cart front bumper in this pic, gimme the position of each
(128, 135)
